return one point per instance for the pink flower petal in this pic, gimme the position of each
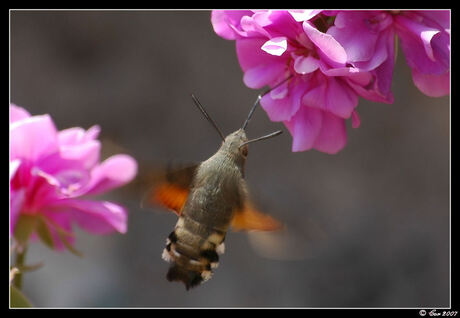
(383, 52)
(77, 135)
(305, 64)
(341, 99)
(223, 22)
(42, 189)
(378, 86)
(332, 94)
(372, 91)
(92, 133)
(419, 50)
(33, 138)
(341, 71)
(280, 91)
(355, 120)
(432, 85)
(326, 43)
(98, 217)
(275, 46)
(426, 37)
(60, 220)
(258, 77)
(305, 127)
(17, 113)
(332, 136)
(279, 23)
(252, 26)
(283, 108)
(68, 181)
(384, 72)
(359, 32)
(70, 175)
(438, 18)
(250, 54)
(354, 34)
(260, 67)
(112, 173)
(303, 15)
(86, 154)
(14, 165)
(78, 154)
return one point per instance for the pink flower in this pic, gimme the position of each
(425, 41)
(52, 172)
(322, 92)
(331, 58)
(368, 38)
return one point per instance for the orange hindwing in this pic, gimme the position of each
(171, 189)
(249, 219)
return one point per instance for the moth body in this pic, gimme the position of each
(208, 198)
(217, 191)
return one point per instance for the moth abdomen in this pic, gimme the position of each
(190, 271)
(210, 255)
(190, 278)
(193, 249)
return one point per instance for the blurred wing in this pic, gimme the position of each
(250, 219)
(303, 239)
(171, 188)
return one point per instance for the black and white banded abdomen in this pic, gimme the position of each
(193, 250)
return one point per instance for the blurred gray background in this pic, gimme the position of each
(368, 227)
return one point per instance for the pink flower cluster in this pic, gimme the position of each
(331, 59)
(52, 172)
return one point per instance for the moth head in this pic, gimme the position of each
(235, 144)
(232, 144)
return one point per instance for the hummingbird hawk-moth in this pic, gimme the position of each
(208, 198)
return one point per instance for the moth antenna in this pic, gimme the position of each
(201, 108)
(258, 100)
(273, 134)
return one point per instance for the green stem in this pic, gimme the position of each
(19, 264)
